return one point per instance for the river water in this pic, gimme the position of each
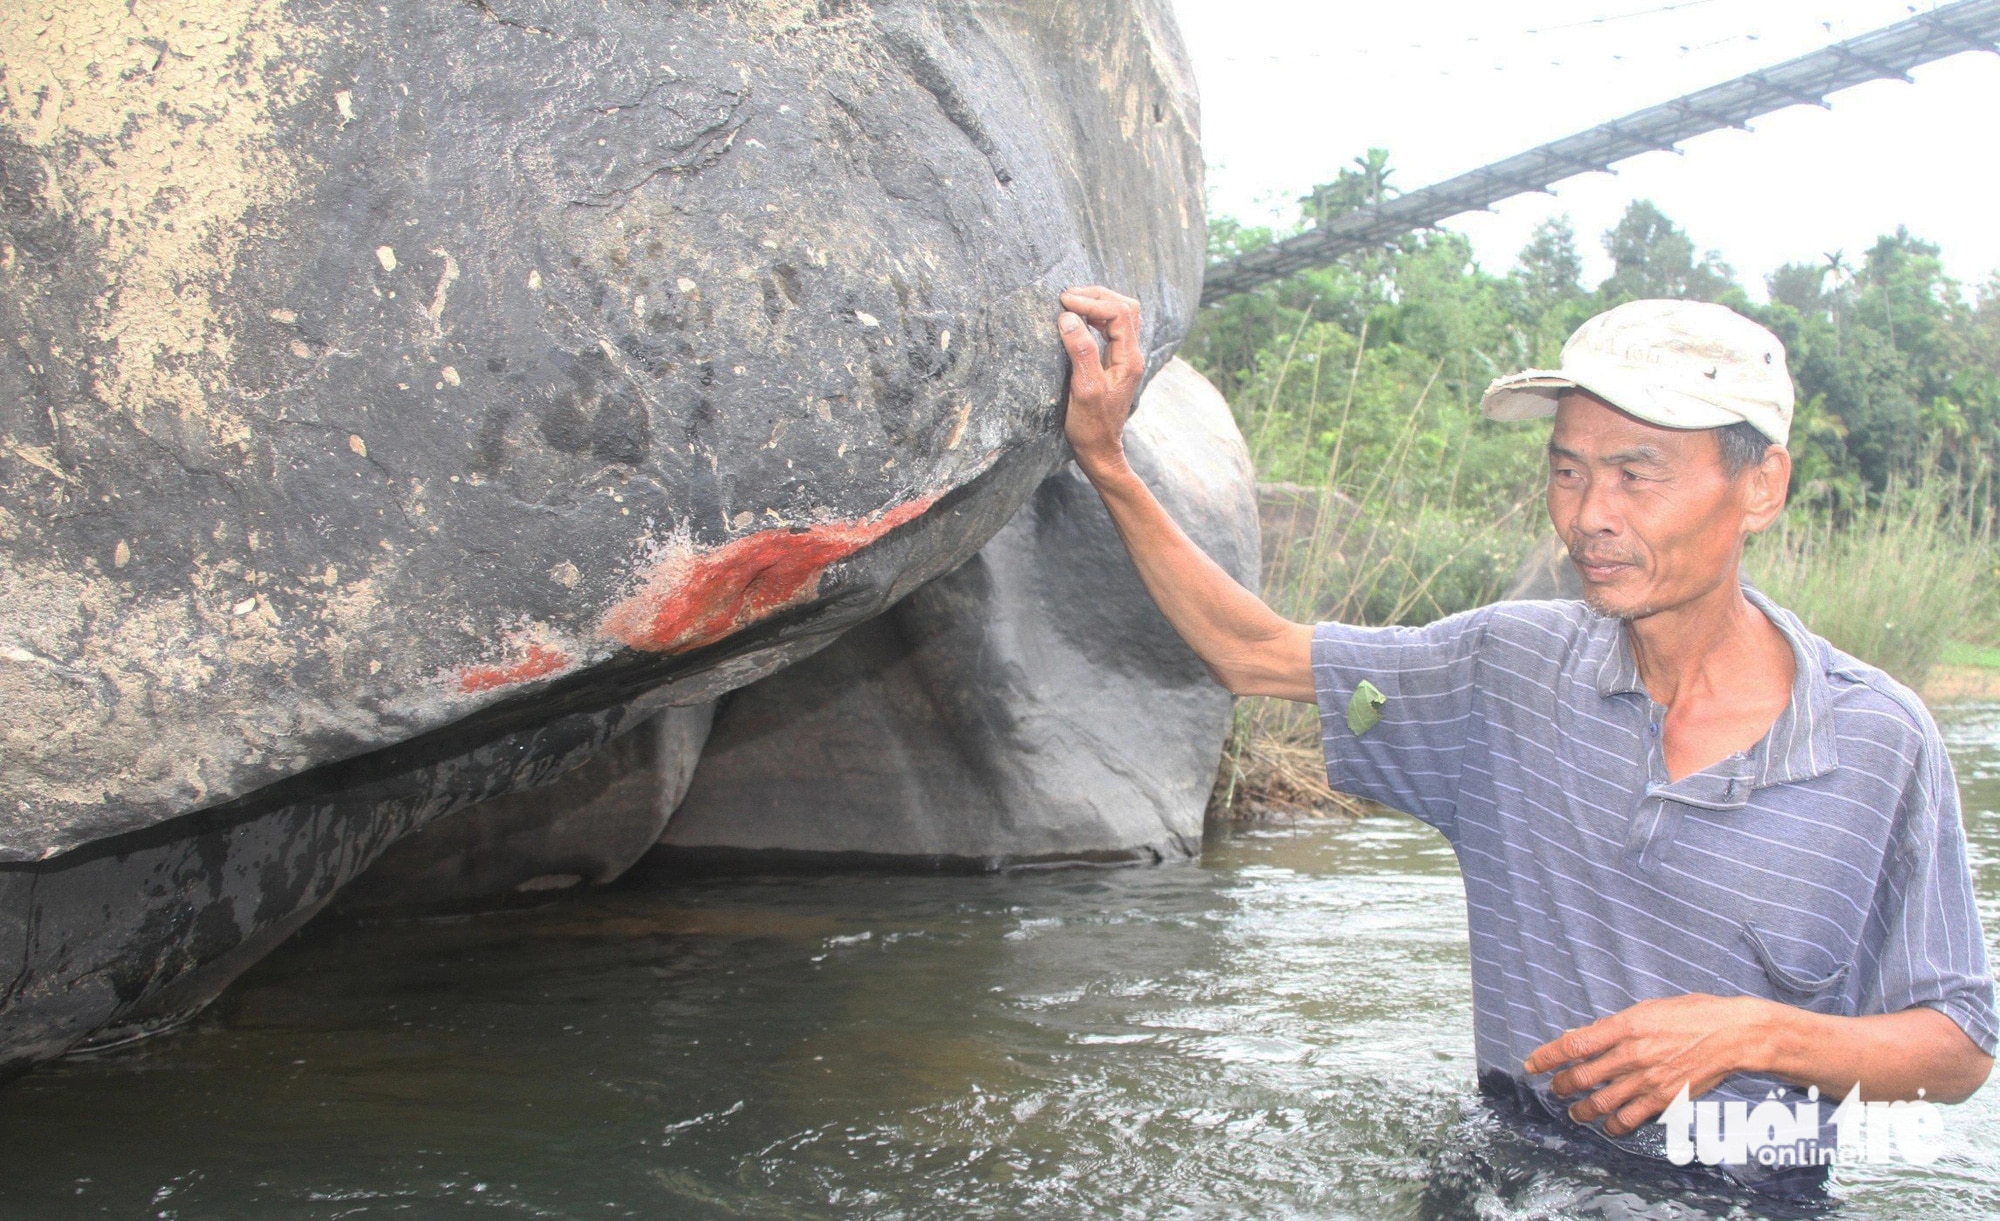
(1283, 1030)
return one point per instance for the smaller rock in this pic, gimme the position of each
(1546, 574)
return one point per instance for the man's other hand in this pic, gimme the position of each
(1633, 1063)
(1101, 388)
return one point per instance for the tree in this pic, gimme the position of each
(1839, 289)
(1378, 359)
(1905, 286)
(1798, 285)
(1889, 358)
(1229, 337)
(1549, 267)
(1652, 257)
(1363, 186)
(1986, 326)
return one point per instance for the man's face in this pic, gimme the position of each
(1651, 519)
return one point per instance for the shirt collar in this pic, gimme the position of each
(1800, 744)
(1618, 672)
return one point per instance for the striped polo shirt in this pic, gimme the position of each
(1825, 867)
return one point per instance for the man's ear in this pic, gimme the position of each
(1765, 487)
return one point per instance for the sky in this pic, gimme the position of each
(1293, 89)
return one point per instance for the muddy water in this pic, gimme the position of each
(1281, 1031)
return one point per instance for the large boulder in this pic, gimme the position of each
(1031, 706)
(402, 401)
(374, 367)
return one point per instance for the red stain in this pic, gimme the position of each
(540, 661)
(696, 600)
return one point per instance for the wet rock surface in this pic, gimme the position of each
(1031, 706)
(136, 933)
(401, 402)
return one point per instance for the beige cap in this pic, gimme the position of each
(1678, 364)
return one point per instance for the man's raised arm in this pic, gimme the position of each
(1248, 647)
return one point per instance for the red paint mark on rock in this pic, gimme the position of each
(694, 600)
(540, 662)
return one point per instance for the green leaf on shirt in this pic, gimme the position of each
(1365, 709)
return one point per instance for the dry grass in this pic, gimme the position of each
(1273, 769)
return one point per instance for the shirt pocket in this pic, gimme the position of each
(1806, 975)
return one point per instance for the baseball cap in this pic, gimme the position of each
(1678, 364)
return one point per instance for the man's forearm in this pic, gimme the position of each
(1629, 1066)
(1248, 647)
(1918, 1052)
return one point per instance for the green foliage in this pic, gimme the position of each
(1895, 362)
(1977, 656)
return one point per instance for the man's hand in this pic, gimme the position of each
(1101, 389)
(1633, 1063)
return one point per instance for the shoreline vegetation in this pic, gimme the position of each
(1386, 499)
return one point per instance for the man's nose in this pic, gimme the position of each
(1595, 514)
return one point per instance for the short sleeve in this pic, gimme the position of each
(1922, 944)
(1411, 757)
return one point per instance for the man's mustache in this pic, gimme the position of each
(1584, 555)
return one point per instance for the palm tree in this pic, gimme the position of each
(1838, 273)
(1372, 171)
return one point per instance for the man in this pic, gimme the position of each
(1702, 849)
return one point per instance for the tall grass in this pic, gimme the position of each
(1892, 584)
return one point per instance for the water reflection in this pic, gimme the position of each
(1283, 1031)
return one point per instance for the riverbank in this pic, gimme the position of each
(1964, 672)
